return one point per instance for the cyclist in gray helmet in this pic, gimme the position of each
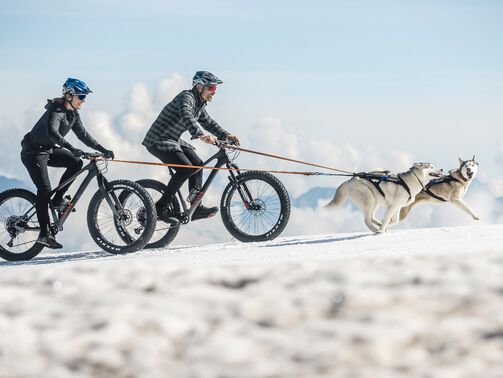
(186, 112)
(45, 145)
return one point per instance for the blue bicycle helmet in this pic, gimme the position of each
(75, 87)
(206, 78)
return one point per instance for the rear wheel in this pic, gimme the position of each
(164, 232)
(257, 208)
(131, 226)
(19, 227)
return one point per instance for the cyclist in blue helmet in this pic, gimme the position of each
(45, 145)
(186, 112)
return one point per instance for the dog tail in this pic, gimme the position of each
(339, 197)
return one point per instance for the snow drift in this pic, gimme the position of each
(424, 302)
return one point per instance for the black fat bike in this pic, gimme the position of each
(116, 226)
(254, 207)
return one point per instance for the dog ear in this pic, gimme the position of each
(473, 158)
(460, 161)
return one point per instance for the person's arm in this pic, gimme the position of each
(212, 126)
(53, 130)
(87, 139)
(83, 135)
(187, 116)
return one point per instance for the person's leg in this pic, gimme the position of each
(37, 168)
(180, 175)
(62, 158)
(197, 178)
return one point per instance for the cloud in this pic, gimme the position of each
(496, 183)
(269, 135)
(168, 88)
(499, 156)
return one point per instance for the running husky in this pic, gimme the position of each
(370, 190)
(450, 188)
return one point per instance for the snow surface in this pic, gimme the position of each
(411, 303)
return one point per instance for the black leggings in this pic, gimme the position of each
(37, 168)
(189, 157)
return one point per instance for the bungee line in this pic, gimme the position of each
(284, 158)
(227, 169)
(233, 147)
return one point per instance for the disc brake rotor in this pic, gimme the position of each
(257, 207)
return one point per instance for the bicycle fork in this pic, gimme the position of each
(243, 190)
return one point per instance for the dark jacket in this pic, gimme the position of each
(185, 113)
(51, 128)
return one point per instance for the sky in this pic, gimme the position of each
(354, 84)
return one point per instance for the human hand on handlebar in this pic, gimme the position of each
(210, 139)
(108, 154)
(77, 152)
(232, 138)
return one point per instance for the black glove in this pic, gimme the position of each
(77, 153)
(108, 154)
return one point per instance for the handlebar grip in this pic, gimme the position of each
(91, 155)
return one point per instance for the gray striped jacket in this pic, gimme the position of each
(185, 113)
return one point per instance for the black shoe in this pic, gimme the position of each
(203, 212)
(49, 242)
(165, 213)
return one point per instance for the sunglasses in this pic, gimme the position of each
(212, 88)
(81, 97)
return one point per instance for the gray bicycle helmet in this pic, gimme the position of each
(205, 78)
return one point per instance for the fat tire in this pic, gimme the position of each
(36, 248)
(172, 231)
(147, 202)
(284, 199)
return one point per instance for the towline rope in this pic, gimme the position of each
(284, 158)
(221, 145)
(227, 169)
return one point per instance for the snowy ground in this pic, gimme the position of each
(413, 303)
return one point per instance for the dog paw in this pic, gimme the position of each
(476, 218)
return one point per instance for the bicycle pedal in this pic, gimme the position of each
(172, 220)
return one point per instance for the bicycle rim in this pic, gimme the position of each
(259, 214)
(127, 227)
(18, 234)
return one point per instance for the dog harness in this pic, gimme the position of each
(377, 177)
(441, 180)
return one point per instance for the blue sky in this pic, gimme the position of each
(356, 71)
(355, 84)
(402, 50)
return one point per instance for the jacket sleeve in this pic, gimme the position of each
(187, 116)
(83, 135)
(53, 130)
(209, 124)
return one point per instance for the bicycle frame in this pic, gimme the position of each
(222, 159)
(93, 171)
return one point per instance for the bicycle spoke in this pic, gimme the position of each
(263, 212)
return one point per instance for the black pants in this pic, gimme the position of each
(37, 168)
(189, 157)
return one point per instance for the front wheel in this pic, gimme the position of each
(256, 208)
(164, 232)
(121, 227)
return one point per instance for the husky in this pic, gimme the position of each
(370, 190)
(449, 188)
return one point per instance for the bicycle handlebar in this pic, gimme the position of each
(224, 143)
(92, 155)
